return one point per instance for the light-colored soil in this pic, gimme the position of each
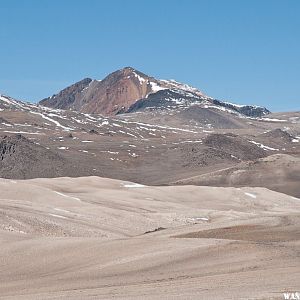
(96, 238)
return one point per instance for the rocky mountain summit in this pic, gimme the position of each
(129, 90)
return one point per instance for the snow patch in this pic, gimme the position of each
(140, 78)
(264, 147)
(57, 216)
(23, 132)
(133, 185)
(155, 87)
(182, 86)
(52, 120)
(70, 197)
(273, 120)
(250, 195)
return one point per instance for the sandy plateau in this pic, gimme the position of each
(98, 238)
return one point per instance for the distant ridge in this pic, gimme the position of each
(129, 90)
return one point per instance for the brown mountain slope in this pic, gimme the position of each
(68, 97)
(115, 93)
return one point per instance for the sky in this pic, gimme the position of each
(243, 51)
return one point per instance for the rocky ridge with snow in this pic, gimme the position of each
(129, 90)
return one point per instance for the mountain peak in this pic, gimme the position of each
(127, 89)
(128, 69)
(115, 93)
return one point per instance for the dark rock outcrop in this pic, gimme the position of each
(235, 146)
(20, 158)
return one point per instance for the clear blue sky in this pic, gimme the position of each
(241, 51)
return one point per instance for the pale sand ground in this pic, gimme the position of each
(84, 238)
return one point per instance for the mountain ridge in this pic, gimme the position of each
(177, 143)
(128, 90)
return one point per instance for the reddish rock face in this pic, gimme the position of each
(115, 93)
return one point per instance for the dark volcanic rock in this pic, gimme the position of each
(278, 134)
(234, 146)
(164, 99)
(210, 118)
(20, 158)
(93, 131)
(195, 156)
(247, 110)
